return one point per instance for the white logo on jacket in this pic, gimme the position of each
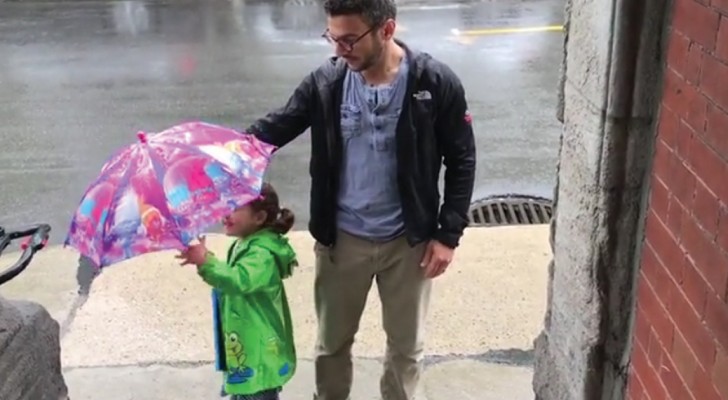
(423, 95)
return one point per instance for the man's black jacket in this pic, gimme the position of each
(434, 127)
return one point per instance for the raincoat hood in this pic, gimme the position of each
(279, 246)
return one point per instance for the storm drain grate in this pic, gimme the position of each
(512, 209)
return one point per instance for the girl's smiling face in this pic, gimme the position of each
(244, 221)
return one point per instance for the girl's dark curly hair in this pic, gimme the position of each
(280, 220)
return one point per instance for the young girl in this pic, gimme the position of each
(254, 325)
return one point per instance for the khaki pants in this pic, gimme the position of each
(344, 275)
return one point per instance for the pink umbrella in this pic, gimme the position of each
(166, 189)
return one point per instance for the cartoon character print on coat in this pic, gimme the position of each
(238, 372)
(273, 346)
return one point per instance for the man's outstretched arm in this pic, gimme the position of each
(288, 122)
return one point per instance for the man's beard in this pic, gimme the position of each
(372, 58)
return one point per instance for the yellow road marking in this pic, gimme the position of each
(466, 40)
(501, 31)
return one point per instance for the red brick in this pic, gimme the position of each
(685, 256)
(693, 239)
(654, 311)
(672, 96)
(685, 138)
(723, 229)
(694, 63)
(675, 215)
(715, 270)
(642, 327)
(716, 130)
(685, 100)
(635, 391)
(720, 373)
(654, 350)
(659, 199)
(675, 384)
(697, 109)
(712, 81)
(706, 209)
(708, 259)
(682, 183)
(638, 359)
(654, 271)
(677, 52)
(662, 164)
(667, 127)
(704, 388)
(695, 287)
(650, 380)
(716, 317)
(721, 47)
(710, 167)
(667, 249)
(696, 21)
(693, 330)
(685, 362)
(720, 5)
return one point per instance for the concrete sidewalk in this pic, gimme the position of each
(456, 379)
(143, 331)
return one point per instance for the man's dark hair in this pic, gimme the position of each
(374, 12)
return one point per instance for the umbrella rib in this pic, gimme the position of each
(263, 148)
(108, 170)
(197, 150)
(156, 167)
(123, 182)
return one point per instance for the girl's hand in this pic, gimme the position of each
(194, 254)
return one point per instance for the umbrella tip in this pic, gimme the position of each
(142, 136)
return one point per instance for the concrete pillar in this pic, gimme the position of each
(611, 84)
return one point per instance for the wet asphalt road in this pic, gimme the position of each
(79, 79)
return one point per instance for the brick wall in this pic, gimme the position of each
(681, 330)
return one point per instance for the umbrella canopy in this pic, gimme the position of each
(164, 190)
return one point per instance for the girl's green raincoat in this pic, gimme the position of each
(253, 328)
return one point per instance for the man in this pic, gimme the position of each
(383, 119)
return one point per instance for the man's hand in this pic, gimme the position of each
(195, 254)
(437, 258)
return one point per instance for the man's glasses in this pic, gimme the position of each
(346, 43)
